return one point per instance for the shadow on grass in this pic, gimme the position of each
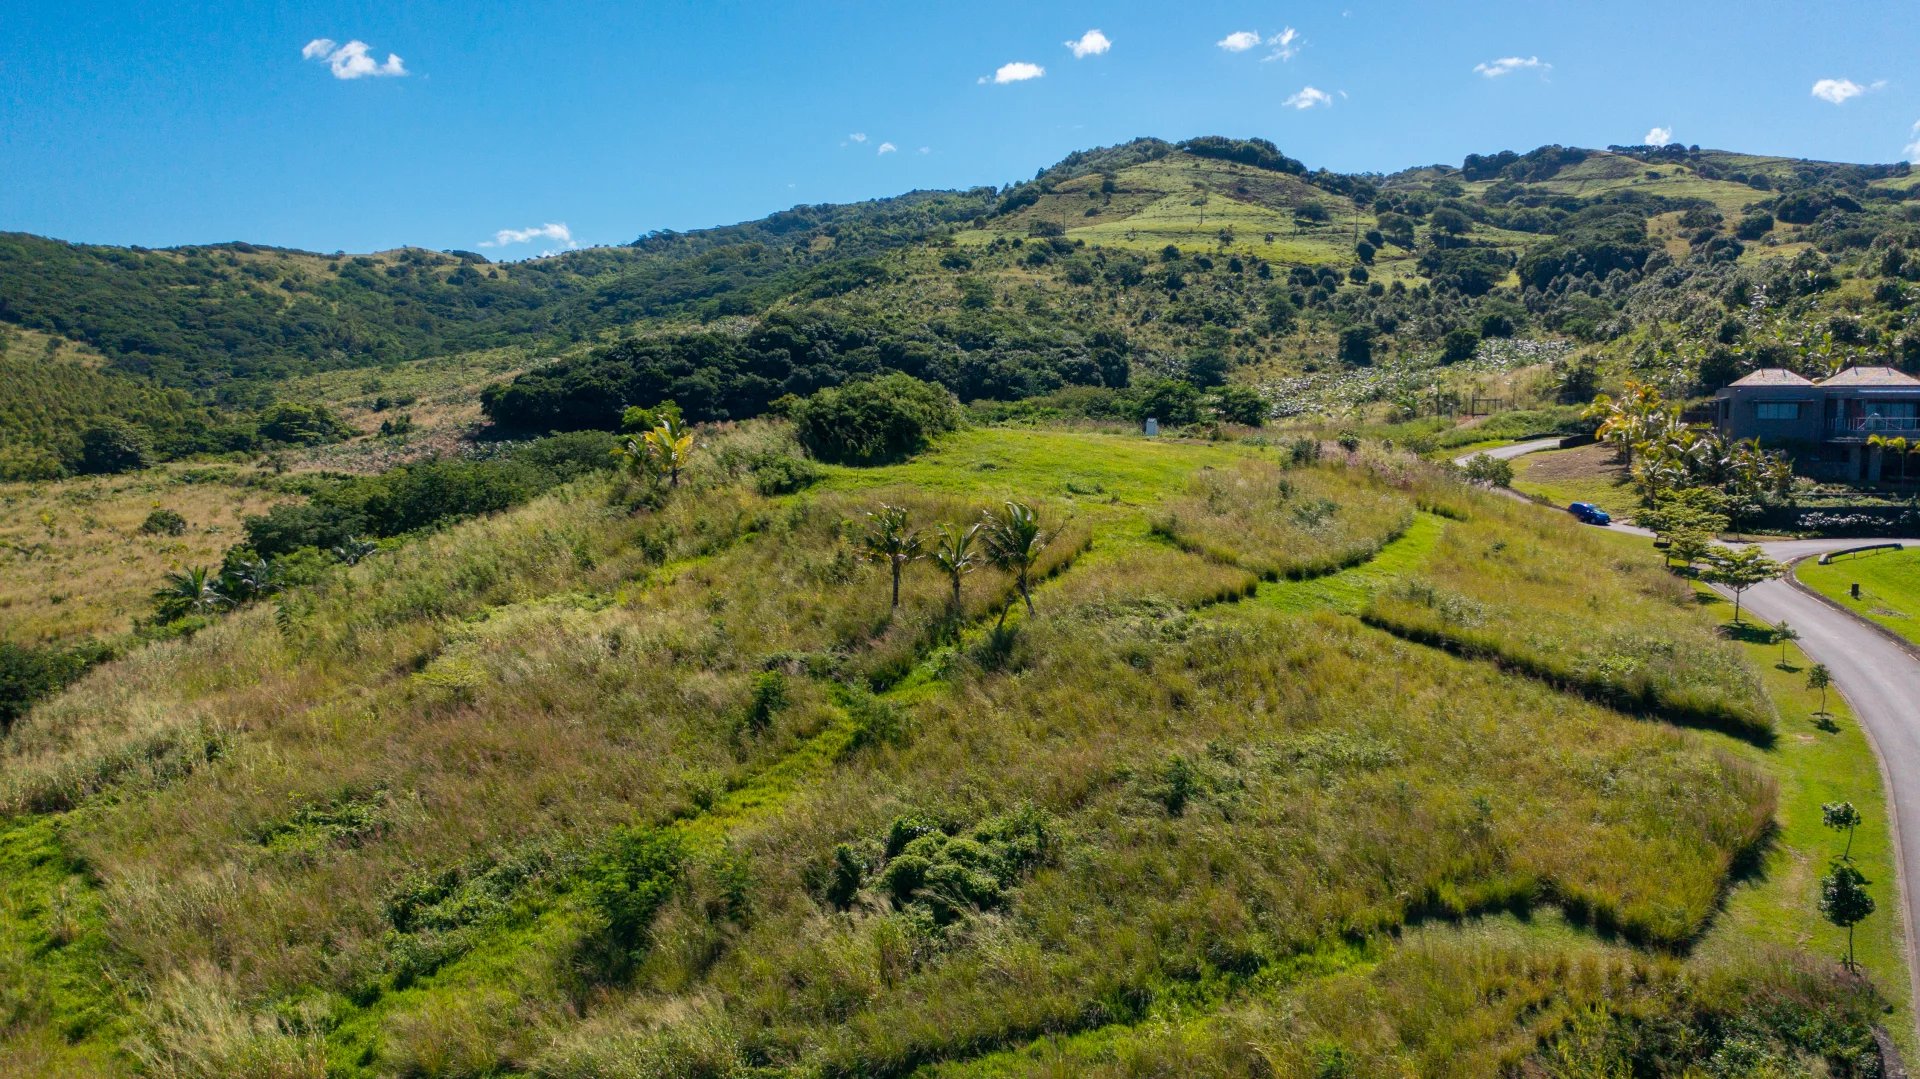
(1747, 632)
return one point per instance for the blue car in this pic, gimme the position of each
(1590, 513)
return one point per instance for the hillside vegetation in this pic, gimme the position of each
(1208, 262)
(635, 781)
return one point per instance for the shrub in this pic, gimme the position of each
(164, 522)
(878, 420)
(635, 871)
(28, 674)
(114, 445)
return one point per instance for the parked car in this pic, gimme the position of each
(1590, 513)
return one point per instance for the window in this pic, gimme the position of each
(1893, 410)
(1777, 410)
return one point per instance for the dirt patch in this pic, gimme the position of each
(1588, 465)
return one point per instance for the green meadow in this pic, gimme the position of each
(615, 785)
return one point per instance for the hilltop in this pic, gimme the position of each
(1210, 260)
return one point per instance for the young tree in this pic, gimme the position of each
(1014, 543)
(954, 553)
(670, 446)
(889, 539)
(1784, 633)
(192, 591)
(1841, 817)
(1820, 678)
(1488, 471)
(1688, 546)
(1738, 569)
(1844, 900)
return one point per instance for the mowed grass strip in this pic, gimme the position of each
(1818, 758)
(1889, 587)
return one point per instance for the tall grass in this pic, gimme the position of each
(402, 772)
(1556, 601)
(1284, 523)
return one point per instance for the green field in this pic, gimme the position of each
(1889, 587)
(591, 788)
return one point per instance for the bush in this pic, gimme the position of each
(164, 522)
(877, 420)
(301, 425)
(114, 445)
(28, 674)
(428, 492)
(1240, 404)
(1459, 345)
(632, 874)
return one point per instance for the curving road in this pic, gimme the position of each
(1879, 676)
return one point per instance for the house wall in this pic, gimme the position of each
(1738, 415)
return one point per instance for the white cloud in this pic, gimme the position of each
(1239, 41)
(1091, 43)
(351, 61)
(1018, 71)
(1913, 148)
(1307, 98)
(1659, 136)
(552, 230)
(926, 149)
(1507, 65)
(1839, 91)
(887, 148)
(858, 136)
(1286, 45)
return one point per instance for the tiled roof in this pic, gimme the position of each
(1773, 376)
(1870, 376)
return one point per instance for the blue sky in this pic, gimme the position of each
(462, 124)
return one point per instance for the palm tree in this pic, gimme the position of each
(890, 540)
(1784, 633)
(1896, 447)
(195, 590)
(250, 578)
(670, 445)
(956, 557)
(1638, 416)
(1014, 544)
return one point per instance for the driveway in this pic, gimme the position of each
(1879, 677)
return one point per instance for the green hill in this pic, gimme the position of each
(1216, 251)
(629, 784)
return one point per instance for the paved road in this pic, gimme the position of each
(1879, 677)
(1508, 452)
(1881, 680)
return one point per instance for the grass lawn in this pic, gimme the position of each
(1581, 474)
(1889, 587)
(1813, 766)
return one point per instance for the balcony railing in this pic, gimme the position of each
(1862, 426)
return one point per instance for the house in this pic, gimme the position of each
(1827, 424)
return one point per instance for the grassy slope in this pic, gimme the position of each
(1889, 587)
(774, 806)
(74, 562)
(1816, 765)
